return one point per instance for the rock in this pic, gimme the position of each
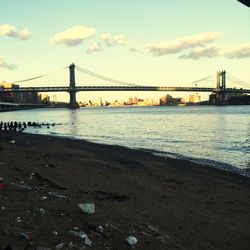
(131, 240)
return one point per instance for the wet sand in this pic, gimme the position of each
(164, 203)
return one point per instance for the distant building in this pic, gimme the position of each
(135, 100)
(44, 98)
(22, 97)
(130, 101)
(169, 100)
(194, 98)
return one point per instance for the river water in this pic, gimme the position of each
(207, 134)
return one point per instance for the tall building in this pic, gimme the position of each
(194, 98)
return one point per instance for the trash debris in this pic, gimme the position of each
(24, 236)
(82, 236)
(22, 187)
(43, 248)
(1, 186)
(12, 141)
(153, 228)
(44, 198)
(87, 208)
(54, 233)
(60, 246)
(131, 240)
(18, 219)
(100, 229)
(49, 165)
(111, 227)
(55, 194)
(41, 210)
(71, 245)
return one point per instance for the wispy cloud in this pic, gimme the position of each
(112, 41)
(181, 44)
(107, 38)
(207, 52)
(73, 36)
(4, 64)
(239, 51)
(133, 50)
(95, 47)
(11, 31)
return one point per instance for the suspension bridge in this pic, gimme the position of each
(220, 90)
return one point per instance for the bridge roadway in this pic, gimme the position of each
(120, 88)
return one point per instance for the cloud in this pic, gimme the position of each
(73, 36)
(207, 52)
(239, 51)
(95, 47)
(120, 40)
(5, 65)
(112, 41)
(107, 38)
(11, 31)
(133, 50)
(178, 45)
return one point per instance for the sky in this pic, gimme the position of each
(160, 42)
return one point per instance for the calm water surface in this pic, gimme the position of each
(210, 133)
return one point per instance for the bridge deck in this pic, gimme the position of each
(121, 88)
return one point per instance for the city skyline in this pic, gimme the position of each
(182, 42)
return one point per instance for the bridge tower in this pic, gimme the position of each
(72, 87)
(220, 88)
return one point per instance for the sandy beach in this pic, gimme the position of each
(164, 203)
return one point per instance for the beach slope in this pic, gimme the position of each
(164, 203)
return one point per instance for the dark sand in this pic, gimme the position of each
(164, 203)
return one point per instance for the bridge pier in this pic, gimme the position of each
(72, 88)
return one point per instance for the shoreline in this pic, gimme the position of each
(164, 203)
(175, 156)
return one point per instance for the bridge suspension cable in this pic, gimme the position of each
(202, 80)
(237, 80)
(37, 77)
(88, 72)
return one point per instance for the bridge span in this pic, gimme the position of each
(121, 88)
(220, 90)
